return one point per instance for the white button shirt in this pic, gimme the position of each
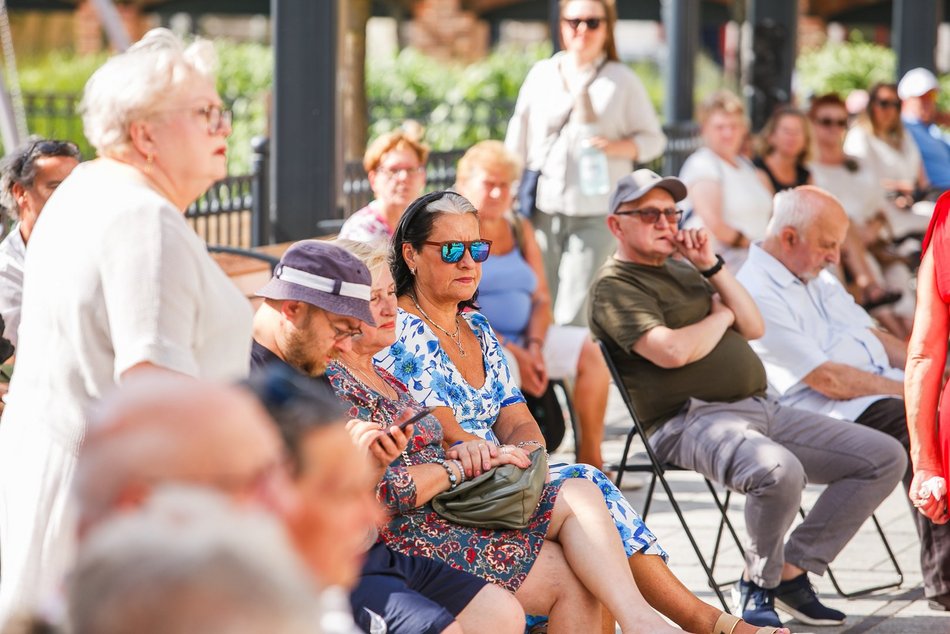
(12, 255)
(807, 325)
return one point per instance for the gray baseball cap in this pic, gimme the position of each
(636, 185)
(325, 276)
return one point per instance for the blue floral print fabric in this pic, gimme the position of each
(418, 361)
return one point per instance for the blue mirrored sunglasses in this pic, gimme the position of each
(454, 250)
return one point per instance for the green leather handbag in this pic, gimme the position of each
(503, 497)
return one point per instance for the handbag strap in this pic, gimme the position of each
(567, 116)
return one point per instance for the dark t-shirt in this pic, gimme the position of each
(801, 175)
(261, 358)
(627, 300)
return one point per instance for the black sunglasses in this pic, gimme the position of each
(828, 122)
(651, 215)
(592, 24)
(454, 250)
(888, 103)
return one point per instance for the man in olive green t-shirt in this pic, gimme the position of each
(677, 329)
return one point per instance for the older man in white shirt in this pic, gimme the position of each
(28, 177)
(822, 351)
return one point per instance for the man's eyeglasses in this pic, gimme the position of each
(454, 250)
(829, 122)
(888, 103)
(592, 24)
(216, 116)
(651, 215)
(339, 334)
(402, 172)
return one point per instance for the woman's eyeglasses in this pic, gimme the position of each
(454, 250)
(216, 116)
(651, 215)
(402, 172)
(592, 24)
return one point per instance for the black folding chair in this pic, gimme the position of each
(657, 470)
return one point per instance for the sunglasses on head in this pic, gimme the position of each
(828, 122)
(454, 250)
(651, 215)
(592, 24)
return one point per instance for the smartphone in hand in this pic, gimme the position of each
(414, 419)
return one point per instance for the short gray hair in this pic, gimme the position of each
(132, 84)
(790, 208)
(375, 256)
(190, 561)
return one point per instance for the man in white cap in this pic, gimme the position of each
(918, 92)
(677, 330)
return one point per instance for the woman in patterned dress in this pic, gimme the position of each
(442, 352)
(569, 538)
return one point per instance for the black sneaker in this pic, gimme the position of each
(756, 605)
(798, 598)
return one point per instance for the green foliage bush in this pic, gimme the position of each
(843, 67)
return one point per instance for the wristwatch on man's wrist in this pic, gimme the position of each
(715, 268)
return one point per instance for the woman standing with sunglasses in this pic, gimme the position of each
(581, 100)
(878, 139)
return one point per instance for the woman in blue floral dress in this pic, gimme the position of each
(581, 553)
(448, 358)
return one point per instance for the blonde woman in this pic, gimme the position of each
(116, 282)
(725, 193)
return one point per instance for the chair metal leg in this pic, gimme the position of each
(711, 580)
(869, 589)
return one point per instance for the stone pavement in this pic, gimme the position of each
(863, 562)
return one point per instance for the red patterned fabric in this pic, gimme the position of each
(502, 557)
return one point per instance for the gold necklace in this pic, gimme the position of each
(456, 337)
(374, 379)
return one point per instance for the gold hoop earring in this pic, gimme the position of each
(149, 161)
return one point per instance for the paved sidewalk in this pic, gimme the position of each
(863, 562)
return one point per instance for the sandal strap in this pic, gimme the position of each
(766, 630)
(726, 623)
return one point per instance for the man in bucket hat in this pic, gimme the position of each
(677, 330)
(313, 307)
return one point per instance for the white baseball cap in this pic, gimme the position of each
(917, 82)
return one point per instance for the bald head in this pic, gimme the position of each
(807, 229)
(161, 428)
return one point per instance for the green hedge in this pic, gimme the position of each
(853, 65)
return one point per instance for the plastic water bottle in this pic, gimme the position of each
(592, 166)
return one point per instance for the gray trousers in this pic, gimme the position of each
(574, 248)
(768, 453)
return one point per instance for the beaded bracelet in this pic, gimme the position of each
(458, 463)
(453, 479)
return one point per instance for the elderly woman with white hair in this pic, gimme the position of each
(116, 282)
